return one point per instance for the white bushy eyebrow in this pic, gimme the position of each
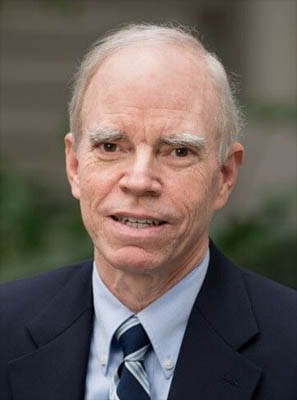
(98, 135)
(185, 140)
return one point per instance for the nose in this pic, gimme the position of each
(141, 176)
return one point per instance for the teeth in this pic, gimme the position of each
(138, 222)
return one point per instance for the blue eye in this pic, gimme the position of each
(109, 147)
(181, 152)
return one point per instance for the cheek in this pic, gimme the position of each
(94, 181)
(92, 190)
(192, 192)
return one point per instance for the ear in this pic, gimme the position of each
(228, 174)
(72, 165)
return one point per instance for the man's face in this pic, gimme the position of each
(147, 192)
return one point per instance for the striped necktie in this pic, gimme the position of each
(130, 381)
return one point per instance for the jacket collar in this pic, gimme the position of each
(221, 323)
(61, 334)
(224, 301)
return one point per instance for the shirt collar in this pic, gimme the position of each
(171, 311)
(110, 313)
(165, 319)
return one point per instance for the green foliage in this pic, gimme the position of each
(39, 233)
(265, 241)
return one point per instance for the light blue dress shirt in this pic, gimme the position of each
(164, 321)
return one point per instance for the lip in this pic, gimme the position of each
(138, 216)
(126, 232)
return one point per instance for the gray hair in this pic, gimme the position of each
(229, 120)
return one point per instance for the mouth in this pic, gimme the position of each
(138, 223)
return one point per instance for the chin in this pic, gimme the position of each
(134, 260)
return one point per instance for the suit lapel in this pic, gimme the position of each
(221, 323)
(61, 334)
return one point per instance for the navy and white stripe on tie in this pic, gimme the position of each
(130, 381)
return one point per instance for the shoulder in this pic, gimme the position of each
(39, 308)
(274, 307)
(274, 348)
(273, 304)
(23, 298)
(265, 294)
(244, 304)
(267, 290)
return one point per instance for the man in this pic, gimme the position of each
(161, 313)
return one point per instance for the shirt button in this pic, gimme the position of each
(103, 359)
(168, 364)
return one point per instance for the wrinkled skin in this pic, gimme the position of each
(148, 93)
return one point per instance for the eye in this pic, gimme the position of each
(109, 147)
(182, 152)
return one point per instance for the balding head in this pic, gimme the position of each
(225, 116)
(157, 79)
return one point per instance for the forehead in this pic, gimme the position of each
(163, 82)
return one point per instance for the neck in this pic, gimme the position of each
(137, 290)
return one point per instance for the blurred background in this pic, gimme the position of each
(41, 45)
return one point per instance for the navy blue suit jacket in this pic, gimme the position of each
(240, 342)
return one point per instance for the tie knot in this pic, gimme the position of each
(133, 339)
